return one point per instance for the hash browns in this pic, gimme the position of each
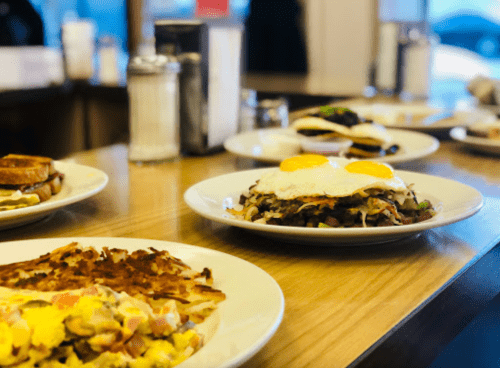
(151, 276)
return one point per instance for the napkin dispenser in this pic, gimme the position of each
(209, 81)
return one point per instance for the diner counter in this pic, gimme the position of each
(394, 304)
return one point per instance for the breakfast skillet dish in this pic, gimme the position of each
(76, 307)
(314, 191)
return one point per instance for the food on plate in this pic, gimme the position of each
(27, 180)
(338, 115)
(152, 276)
(77, 307)
(90, 327)
(369, 140)
(315, 191)
(485, 130)
(401, 115)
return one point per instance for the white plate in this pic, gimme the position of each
(240, 326)
(273, 145)
(80, 182)
(458, 201)
(387, 115)
(477, 143)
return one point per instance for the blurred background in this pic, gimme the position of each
(309, 51)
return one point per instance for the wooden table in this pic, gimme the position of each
(386, 305)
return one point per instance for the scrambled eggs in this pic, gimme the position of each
(91, 327)
(11, 199)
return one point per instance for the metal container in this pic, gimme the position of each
(209, 83)
(153, 90)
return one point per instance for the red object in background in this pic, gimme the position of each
(212, 8)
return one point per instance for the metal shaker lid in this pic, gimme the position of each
(249, 96)
(153, 64)
(190, 58)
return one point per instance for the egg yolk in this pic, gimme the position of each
(302, 162)
(371, 168)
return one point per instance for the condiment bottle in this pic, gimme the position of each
(153, 90)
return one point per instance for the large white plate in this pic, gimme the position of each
(80, 182)
(477, 143)
(242, 323)
(273, 145)
(457, 201)
(387, 115)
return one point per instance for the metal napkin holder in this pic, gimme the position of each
(209, 81)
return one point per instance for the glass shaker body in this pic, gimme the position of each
(153, 89)
(272, 113)
(108, 61)
(248, 110)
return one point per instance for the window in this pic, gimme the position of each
(110, 17)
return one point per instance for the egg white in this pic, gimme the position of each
(374, 131)
(363, 130)
(330, 179)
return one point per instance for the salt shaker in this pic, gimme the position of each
(108, 61)
(153, 90)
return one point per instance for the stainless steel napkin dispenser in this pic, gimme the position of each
(209, 81)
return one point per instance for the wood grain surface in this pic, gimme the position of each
(339, 301)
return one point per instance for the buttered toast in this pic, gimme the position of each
(46, 161)
(16, 171)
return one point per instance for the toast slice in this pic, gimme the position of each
(40, 159)
(19, 171)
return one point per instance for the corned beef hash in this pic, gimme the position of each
(316, 191)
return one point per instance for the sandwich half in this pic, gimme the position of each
(27, 180)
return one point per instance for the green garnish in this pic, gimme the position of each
(423, 205)
(322, 224)
(329, 110)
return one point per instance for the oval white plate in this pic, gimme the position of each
(241, 324)
(80, 182)
(391, 111)
(211, 197)
(477, 143)
(273, 145)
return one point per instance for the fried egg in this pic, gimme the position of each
(376, 134)
(374, 131)
(317, 175)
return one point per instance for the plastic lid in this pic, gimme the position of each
(153, 64)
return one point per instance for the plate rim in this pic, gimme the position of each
(434, 128)
(19, 216)
(459, 134)
(177, 249)
(347, 234)
(433, 146)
